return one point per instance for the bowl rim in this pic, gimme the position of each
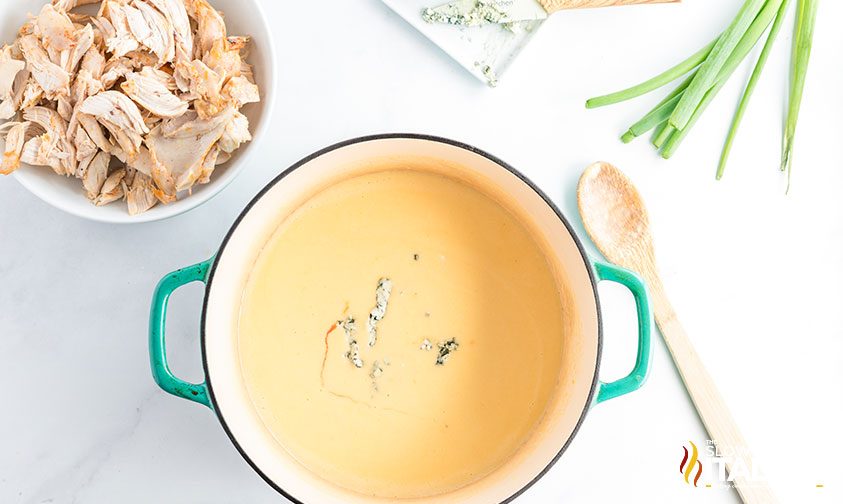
(215, 260)
(213, 188)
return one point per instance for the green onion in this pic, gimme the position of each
(659, 114)
(656, 82)
(750, 87)
(662, 134)
(741, 50)
(806, 14)
(676, 138)
(710, 68)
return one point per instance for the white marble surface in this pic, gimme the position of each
(756, 275)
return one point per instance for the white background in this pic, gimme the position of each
(755, 275)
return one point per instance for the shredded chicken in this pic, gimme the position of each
(13, 79)
(148, 91)
(95, 175)
(140, 101)
(112, 188)
(9, 69)
(140, 194)
(15, 139)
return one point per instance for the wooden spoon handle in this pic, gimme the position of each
(552, 6)
(715, 415)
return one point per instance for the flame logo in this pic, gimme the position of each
(687, 466)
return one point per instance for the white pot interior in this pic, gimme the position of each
(580, 342)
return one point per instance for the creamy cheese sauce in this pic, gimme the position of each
(467, 351)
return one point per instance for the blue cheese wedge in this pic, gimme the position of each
(382, 293)
(469, 13)
(349, 325)
(446, 348)
(377, 371)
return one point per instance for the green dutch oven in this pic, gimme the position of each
(224, 276)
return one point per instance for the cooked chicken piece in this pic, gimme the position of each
(93, 62)
(236, 133)
(140, 194)
(95, 174)
(32, 94)
(68, 5)
(9, 69)
(15, 139)
(143, 162)
(5, 127)
(181, 73)
(84, 85)
(83, 40)
(238, 42)
(210, 26)
(146, 163)
(83, 165)
(86, 150)
(112, 188)
(141, 59)
(247, 71)
(127, 180)
(56, 148)
(64, 108)
(213, 46)
(206, 85)
(153, 95)
(103, 27)
(192, 125)
(139, 28)
(181, 151)
(240, 91)
(123, 41)
(120, 116)
(53, 79)
(37, 152)
(55, 29)
(176, 14)
(154, 31)
(114, 70)
(11, 97)
(226, 59)
(223, 60)
(118, 152)
(79, 19)
(94, 131)
(208, 165)
(151, 121)
(224, 157)
(27, 28)
(161, 76)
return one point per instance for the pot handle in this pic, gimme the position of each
(638, 376)
(197, 392)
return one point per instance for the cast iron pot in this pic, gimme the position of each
(224, 276)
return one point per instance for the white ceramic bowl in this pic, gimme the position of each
(242, 17)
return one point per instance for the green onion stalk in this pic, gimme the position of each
(803, 38)
(710, 68)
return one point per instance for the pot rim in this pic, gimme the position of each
(406, 136)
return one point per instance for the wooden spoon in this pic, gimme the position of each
(552, 6)
(616, 220)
